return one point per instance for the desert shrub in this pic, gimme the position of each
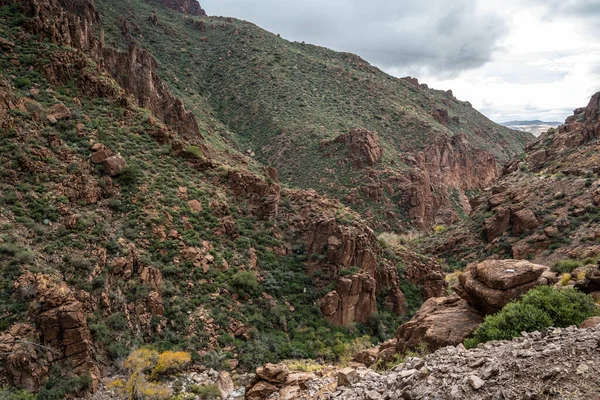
(170, 362)
(540, 308)
(206, 392)
(130, 176)
(565, 279)
(17, 395)
(566, 266)
(22, 82)
(141, 360)
(245, 282)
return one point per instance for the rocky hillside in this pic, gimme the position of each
(399, 153)
(544, 207)
(128, 220)
(557, 363)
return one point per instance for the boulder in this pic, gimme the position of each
(225, 384)
(114, 165)
(347, 377)
(261, 391)
(442, 321)
(590, 322)
(524, 221)
(274, 373)
(492, 284)
(497, 224)
(58, 112)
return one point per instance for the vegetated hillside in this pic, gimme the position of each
(545, 207)
(127, 221)
(288, 102)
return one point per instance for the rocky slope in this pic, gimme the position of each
(557, 363)
(545, 205)
(399, 153)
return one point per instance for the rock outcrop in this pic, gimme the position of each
(191, 7)
(363, 147)
(492, 284)
(353, 300)
(263, 197)
(345, 247)
(136, 72)
(440, 322)
(58, 322)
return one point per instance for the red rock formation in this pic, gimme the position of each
(363, 147)
(492, 284)
(448, 164)
(425, 273)
(441, 321)
(263, 197)
(353, 300)
(65, 22)
(62, 326)
(346, 247)
(441, 116)
(191, 7)
(135, 71)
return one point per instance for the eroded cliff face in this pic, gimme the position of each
(136, 73)
(191, 7)
(431, 190)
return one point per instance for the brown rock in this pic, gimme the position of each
(274, 373)
(225, 384)
(261, 391)
(195, 206)
(496, 225)
(356, 300)
(442, 321)
(114, 165)
(367, 357)
(589, 323)
(507, 274)
(347, 377)
(58, 111)
(524, 221)
(100, 155)
(492, 284)
(363, 144)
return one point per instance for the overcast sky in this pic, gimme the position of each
(512, 59)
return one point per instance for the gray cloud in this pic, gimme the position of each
(431, 37)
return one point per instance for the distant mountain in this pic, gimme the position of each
(535, 127)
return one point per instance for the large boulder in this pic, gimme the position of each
(524, 221)
(114, 165)
(440, 322)
(492, 284)
(497, 224)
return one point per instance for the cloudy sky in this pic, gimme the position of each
(512, 59)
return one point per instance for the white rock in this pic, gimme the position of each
(475, 382)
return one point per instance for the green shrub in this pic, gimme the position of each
(566, 266)
(22, 82)
(245, 283)
(540, 308)
(206, 392)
